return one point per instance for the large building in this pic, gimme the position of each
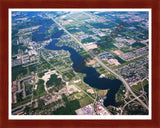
(105, 55)
(14, 86)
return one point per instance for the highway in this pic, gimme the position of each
(130, 102)
(102, 64)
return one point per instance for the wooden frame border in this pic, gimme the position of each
(6, 4)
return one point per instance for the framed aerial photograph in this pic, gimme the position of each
(81, 64)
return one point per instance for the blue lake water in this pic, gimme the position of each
(92, 76)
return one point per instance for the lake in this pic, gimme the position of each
(92, 76)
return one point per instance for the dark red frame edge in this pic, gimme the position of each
(6, 4)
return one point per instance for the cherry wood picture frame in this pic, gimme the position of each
(4, 47)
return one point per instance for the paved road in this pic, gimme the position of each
(101, 63)
(130, 102)
(22, 106)
(108, 113)
(19, 88)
